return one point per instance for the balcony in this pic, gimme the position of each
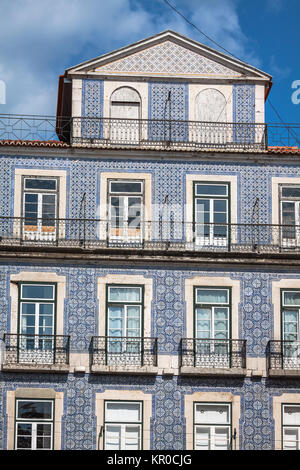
(36, 353)
(212, 357)
(130, 355)
(160, 134)
(283, 358)
(157, 134)
(155, 237)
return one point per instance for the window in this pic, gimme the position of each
(34, 424)
(125, 211)
(290, 327)
(40, 202)
(211, 214)
(123, 425)
(124, 323)
(291, 427)
(290, 214)
(212, 426)
(212, 326)
(125, 105)
(36, 322)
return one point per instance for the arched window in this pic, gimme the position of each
(210, 106)
(125, 108)
(210, 116)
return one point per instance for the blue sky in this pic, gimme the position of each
(41, 38)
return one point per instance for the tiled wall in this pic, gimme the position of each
(254, 181)
(168, 306)
(81, 312)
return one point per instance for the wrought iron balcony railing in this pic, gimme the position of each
(153, 133)
(148, 133)
(213, 353)
(36, 349)
(283, 355)
(154, 236)
(123, 351)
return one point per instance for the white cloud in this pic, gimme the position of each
(42, 38)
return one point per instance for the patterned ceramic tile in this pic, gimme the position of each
(168, 57)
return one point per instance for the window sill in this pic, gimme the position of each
(124, 369)
(211, 371)
(39, 368)
(284, 373)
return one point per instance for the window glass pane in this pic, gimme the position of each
(290, 325)
(291, 298)
(220, 205)
(125, 294)
(46, 309)
(290, 439)
(24, 437)
(222, 438)
(202, 211)
(290, 316)
(34, 183)
(132, 438)
(31, 205)
(211, 189)
(43, 440)
(115, 321)
(28, 309)
(113, 437)
(123, 412)
(34, 410)
(30, 291)
(212, 296)
(133, 321)
(31, 198)
(212, 414)
(134, 212)
(221, 319)
(291, 191)
(288, 213)
(203, 323)
(202, 438)
(291, 415)
(125, 187)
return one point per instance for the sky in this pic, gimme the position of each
(39, 39)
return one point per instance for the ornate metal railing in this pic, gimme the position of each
(213, 353)
(123, 351)
(284, 135)
(154, 133)
(36, 349)
(34, 127)
(154, 235)
(283, 355)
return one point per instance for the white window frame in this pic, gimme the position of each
(41, 232)
(289, 427)
(132, 345)
(210, 350)
(213, 427)
(291, 350)
(41, 353)
(125, 129)
(34, 423)
(293, 240)
(125, 233)
(124, 425)
(211, 239)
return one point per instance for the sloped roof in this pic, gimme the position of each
(168, 54)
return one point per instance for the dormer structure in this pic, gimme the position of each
(127, 96)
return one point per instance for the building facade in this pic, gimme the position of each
(149, 260)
